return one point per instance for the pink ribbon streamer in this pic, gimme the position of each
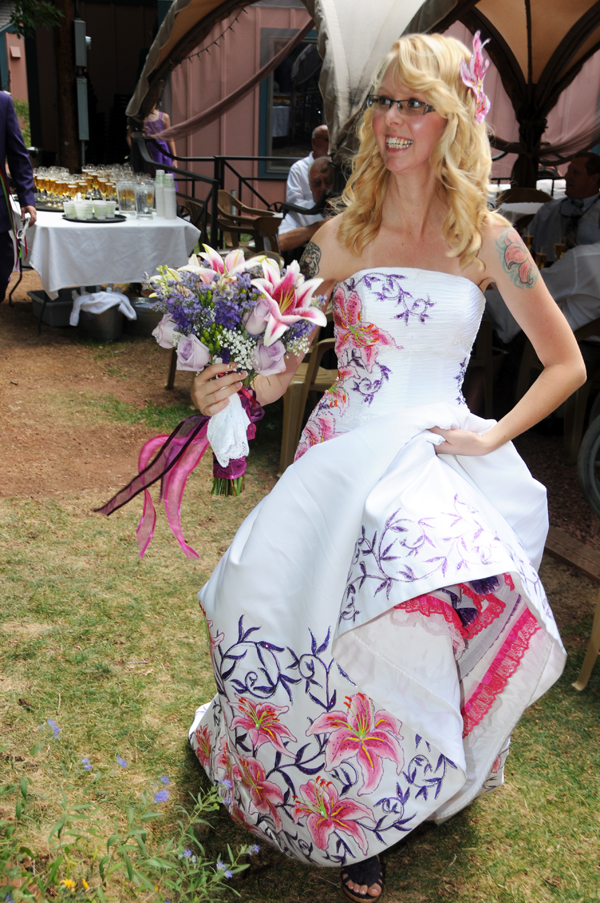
(171, 459)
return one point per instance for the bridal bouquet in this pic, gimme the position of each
(223, 309)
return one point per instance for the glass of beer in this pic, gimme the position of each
(540, 259)
(559, 249)
(528, 239)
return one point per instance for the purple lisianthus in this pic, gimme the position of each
(192, 354)
(164, 331)
(268, 361)
(256, 323)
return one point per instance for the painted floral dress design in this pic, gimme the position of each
(378, 626)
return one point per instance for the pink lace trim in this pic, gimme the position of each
(502, 668)
(428, 605)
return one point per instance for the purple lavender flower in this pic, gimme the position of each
(161, 796)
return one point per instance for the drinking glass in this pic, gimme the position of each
(528, 239)
(559, 249)
(126, 196)
(540, 259)
(144, 198)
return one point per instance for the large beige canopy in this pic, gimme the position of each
(538, 46)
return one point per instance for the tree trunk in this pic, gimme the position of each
(68, 149)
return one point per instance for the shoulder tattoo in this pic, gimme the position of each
(309, 262)
(516, 259)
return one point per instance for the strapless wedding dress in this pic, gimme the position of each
(378, 626)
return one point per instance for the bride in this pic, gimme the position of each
(378, 626)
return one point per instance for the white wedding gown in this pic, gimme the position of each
(378, 625)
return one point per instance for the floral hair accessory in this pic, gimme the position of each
(473, 75)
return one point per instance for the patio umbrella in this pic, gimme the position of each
(538, 46)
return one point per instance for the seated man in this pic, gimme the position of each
(574, 283)
(572, 220)
(297, 189)
(291, 235)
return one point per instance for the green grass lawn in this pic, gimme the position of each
(113, 651)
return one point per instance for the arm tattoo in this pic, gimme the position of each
(516, 259)
(309, 262)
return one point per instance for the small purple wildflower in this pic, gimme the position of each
(229, 873)
(165, 779)
(221, 865)
(187, 854)
(122, 762)
(86, 763)
(54, 727)
(254, 849)
(227, 783)
(162, 796)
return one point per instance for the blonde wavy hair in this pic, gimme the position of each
(430, 66)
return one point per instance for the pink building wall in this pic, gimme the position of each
(15, 55)
(200, 82)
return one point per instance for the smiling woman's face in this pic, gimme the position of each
(405, 141)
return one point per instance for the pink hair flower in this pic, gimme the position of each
(473, 75)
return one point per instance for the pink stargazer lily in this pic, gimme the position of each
(362, 732)
(473, 75)
(265, 795)
(232, 264)
(263, 724)
(327, 813)
(289, 299)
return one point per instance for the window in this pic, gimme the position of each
(290, 101)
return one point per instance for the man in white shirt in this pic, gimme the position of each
(297, 190)
(572, 220)
(321, 174)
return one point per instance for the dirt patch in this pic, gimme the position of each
(55, 438)
(24, 631)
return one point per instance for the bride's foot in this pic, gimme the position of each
(363, 880)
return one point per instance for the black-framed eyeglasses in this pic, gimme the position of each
(409, 107)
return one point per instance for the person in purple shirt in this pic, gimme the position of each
(13, 151)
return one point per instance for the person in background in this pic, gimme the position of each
(297, 190)
(292, 236)
(13, 151)
(156, 121)
(572, 220)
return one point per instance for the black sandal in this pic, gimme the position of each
(366, 872)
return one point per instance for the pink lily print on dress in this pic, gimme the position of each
(264, 794)
(325, 813)
(363, 733)
(202, 745)
(337, 396)
(352, 335)
(263, 725)
(319, 428)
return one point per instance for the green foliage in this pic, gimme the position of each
(22, 111)
(27, 14)
(89, 856)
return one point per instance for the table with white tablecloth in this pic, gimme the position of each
(72, 254)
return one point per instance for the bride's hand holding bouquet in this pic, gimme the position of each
(231, 321)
